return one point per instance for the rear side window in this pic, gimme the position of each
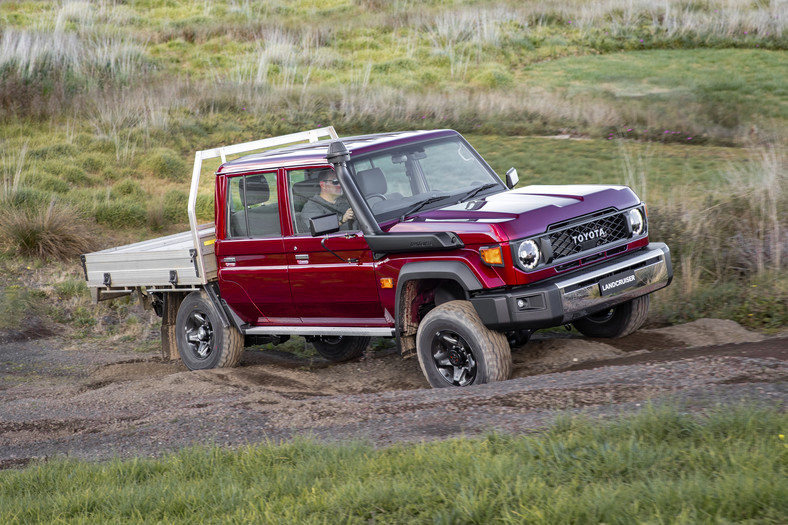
(253, 207)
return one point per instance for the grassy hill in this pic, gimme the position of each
(102, 105)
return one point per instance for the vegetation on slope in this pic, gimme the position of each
(102, 105)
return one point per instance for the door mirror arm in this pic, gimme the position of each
(335, 254)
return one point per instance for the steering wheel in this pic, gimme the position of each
(378, 195)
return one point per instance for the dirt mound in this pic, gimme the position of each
(542, 355)
(706, 332)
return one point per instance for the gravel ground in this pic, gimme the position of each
(95, 401)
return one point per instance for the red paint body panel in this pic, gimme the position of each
(328, 291)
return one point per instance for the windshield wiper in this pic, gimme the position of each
(474, 191)
(419, 205)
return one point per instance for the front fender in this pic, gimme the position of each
(405, 326)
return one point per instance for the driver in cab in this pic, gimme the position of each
(329, 200)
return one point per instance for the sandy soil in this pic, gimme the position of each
(96, 401)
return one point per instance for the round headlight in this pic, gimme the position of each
(636, 221)
(528, 253)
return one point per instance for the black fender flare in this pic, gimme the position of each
(450, 270)
(456, 271)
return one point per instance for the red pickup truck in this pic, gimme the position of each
(409, 235)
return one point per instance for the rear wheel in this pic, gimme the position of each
(203, 341)
(340, 348)
(618, 321)
(456, 349)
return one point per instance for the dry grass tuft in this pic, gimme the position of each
(54, 232)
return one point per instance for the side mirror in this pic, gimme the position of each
(324, 224)
(512, 178)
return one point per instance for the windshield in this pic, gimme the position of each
(421, 176)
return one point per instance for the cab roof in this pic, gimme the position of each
(314, 153)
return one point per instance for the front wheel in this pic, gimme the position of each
(203, 341)
(456, 349)
(341, 348)
(618, 321)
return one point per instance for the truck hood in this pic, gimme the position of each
(523, 212)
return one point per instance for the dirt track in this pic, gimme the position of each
(93, 401)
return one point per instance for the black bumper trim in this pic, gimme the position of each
(567, 298)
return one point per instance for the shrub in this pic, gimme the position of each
(72, 289)
(128, 188)
(166, 164)
(54, 152)
(122, 213)
(54, 231)
(27, 199)
(49, 183)
(67, 171)
(174, 206)
(93, 163)
(204, 207)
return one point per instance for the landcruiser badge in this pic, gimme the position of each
(617, 283)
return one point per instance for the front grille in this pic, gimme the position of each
(579, 238)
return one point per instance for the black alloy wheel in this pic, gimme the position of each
(199, 335)
(453, 358)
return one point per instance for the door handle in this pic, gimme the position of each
(302, 258)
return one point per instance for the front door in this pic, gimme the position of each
(329, 289)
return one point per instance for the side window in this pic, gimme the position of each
(252, 207)
(397, 179)
(304, 185)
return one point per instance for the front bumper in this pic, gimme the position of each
(577, 295)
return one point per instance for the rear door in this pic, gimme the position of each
(253, 268)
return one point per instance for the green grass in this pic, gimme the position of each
(554, 161)
(659, 466)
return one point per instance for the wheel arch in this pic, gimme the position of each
(423, 282)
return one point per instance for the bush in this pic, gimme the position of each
(68, 172)
(174, 206)
(128, 188)
(56, 231)
(93, 163)
(27, 199)
(122, 213)
(166, 164)
(204, 207)
(54, 152)
(49, 183)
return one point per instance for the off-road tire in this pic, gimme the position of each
(618, 321)
(203, 342)
(341, 348)
(452, 340)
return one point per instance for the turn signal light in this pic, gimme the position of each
(492, 255)
(387, 282)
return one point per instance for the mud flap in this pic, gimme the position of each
(169, 346)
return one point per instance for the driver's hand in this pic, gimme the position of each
(348, 216)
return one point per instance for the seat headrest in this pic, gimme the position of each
(371, 181)
(303, 191)
(257, 191)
